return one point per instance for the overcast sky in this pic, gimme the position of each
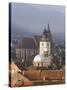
(33, 18)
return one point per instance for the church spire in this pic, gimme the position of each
(48, 27)
(44, 32)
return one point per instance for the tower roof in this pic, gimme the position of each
(48, 27)
(46, 34)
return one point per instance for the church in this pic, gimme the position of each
(43, 58)
(36, 49)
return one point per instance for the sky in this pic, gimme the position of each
(33, 18)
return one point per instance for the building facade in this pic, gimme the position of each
(28, 48)
(44, 57)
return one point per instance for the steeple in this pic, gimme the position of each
(44, 32)
(49, 35)
(48, 28)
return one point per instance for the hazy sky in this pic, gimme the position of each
(33, 18)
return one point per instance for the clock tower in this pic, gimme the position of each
(44, 58)
(45, 44)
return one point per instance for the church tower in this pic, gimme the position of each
(45, 44)
(43, 59)
(49, 33)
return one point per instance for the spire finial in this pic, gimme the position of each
(48, 27)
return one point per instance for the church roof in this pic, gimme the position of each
(33, 42)
(27, 43)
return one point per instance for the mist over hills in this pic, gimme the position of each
(18, 34)
(30, 19)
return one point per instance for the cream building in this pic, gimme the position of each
(43, 59)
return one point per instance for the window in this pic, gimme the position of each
(42, 44)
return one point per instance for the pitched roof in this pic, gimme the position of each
(37, 39)
(28, 43)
